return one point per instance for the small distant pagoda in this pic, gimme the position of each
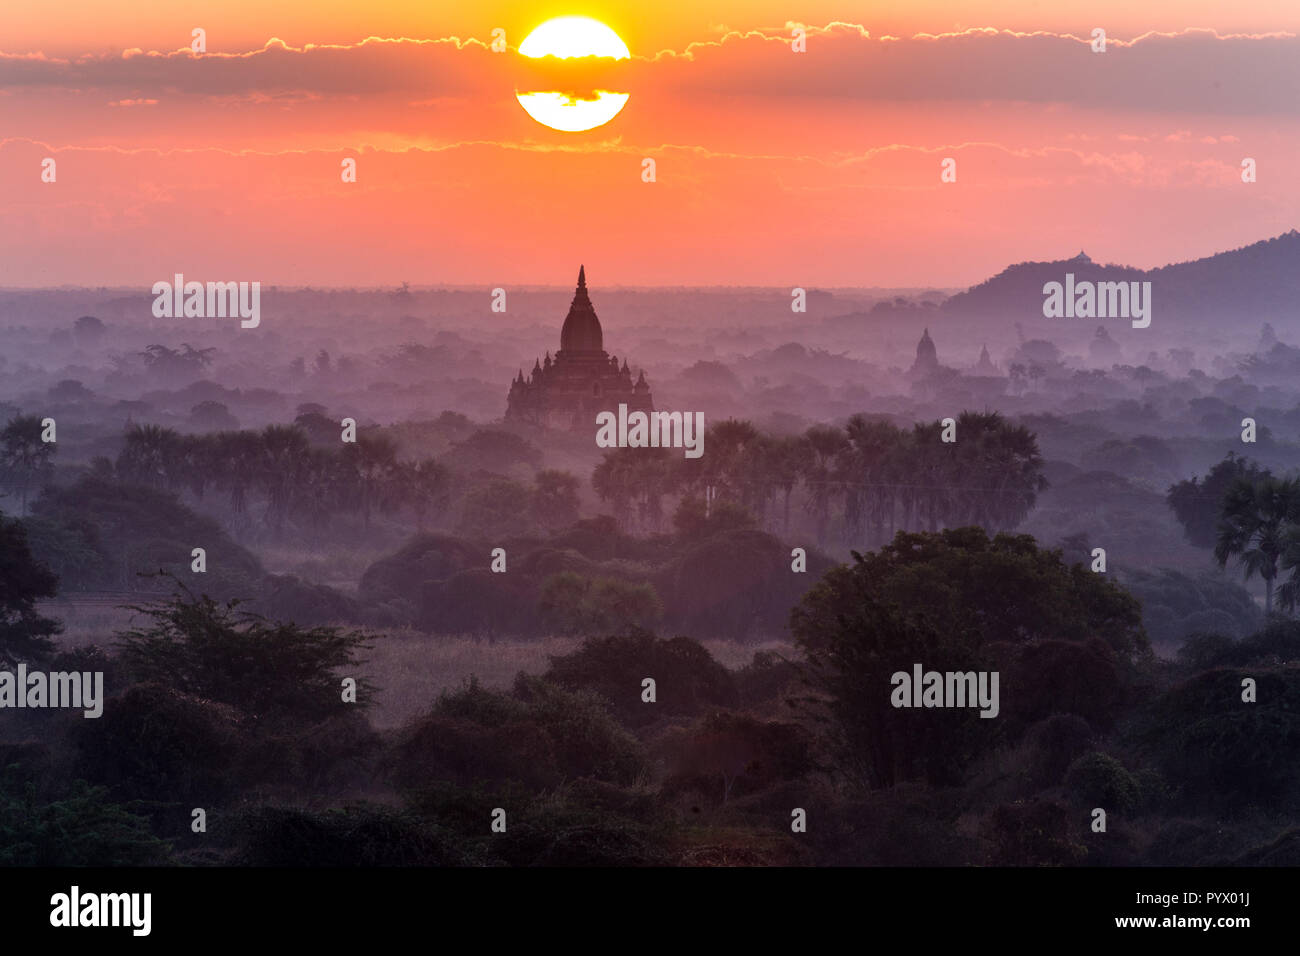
(583, 379)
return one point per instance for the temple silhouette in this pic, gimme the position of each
(927, 359)
(582, 381)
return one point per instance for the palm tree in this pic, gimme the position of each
(1255, 527)
(869, 499)
(640, 476)
(323, 484)
(199, 462)
(783, 465)
(153, 455)
(1288, 595)
(610, 481)
(997, 471)
(931, 468)
(282, 461)
(23, 456)
(825, 442)
(555, 499)
(237, 455)
(374, 472)
(426, 483)
(731, 448)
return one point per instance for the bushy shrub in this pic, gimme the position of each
(600, 539)
(687, 678)
(544, 562)
(1053, 744)
(1062, 677)
(960, 601)
(80, 828)
(477, 602)
(426, 557)
(731, 755)
(133, 530)
(1221, 752)
(536, 736)
(573, 604)
(566, 828)
(603, 843)
(1175, 604)
(333, 755)
(762, 681)
(1201, 650)
(907, 825)
(1282, 850)
(1183, 842)
(156, 743)
(588, 741)
(495, 510)
(275, 672)
(358, 835)
(734, 584)
(287, 598)
(1099, 780)
(1036, 832)
(1278, 642)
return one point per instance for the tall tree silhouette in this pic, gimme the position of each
(280, 469)
(825, 442)
(152, 455)
(373, 465)
(1254, 528)
(555, 499)
(426, 484)
(996, 471)
(1198, 503)
(24, 459)
(24, 634)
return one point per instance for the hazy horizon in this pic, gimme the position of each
(467, 286)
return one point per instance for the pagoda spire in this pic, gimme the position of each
(580, 297)
(581, 331)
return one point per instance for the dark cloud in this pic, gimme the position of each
(1192, 71)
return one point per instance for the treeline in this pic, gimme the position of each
(291, 473)
(854, 485)
(302, 483)
(858, 484)
(294, 477)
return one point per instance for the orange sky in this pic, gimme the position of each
(814, 169)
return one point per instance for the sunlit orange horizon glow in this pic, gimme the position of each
(772, 168)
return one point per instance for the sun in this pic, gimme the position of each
(566, 37)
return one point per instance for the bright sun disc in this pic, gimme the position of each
(574, 36)
(566, 37)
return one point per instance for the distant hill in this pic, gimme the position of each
(1260, 282)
